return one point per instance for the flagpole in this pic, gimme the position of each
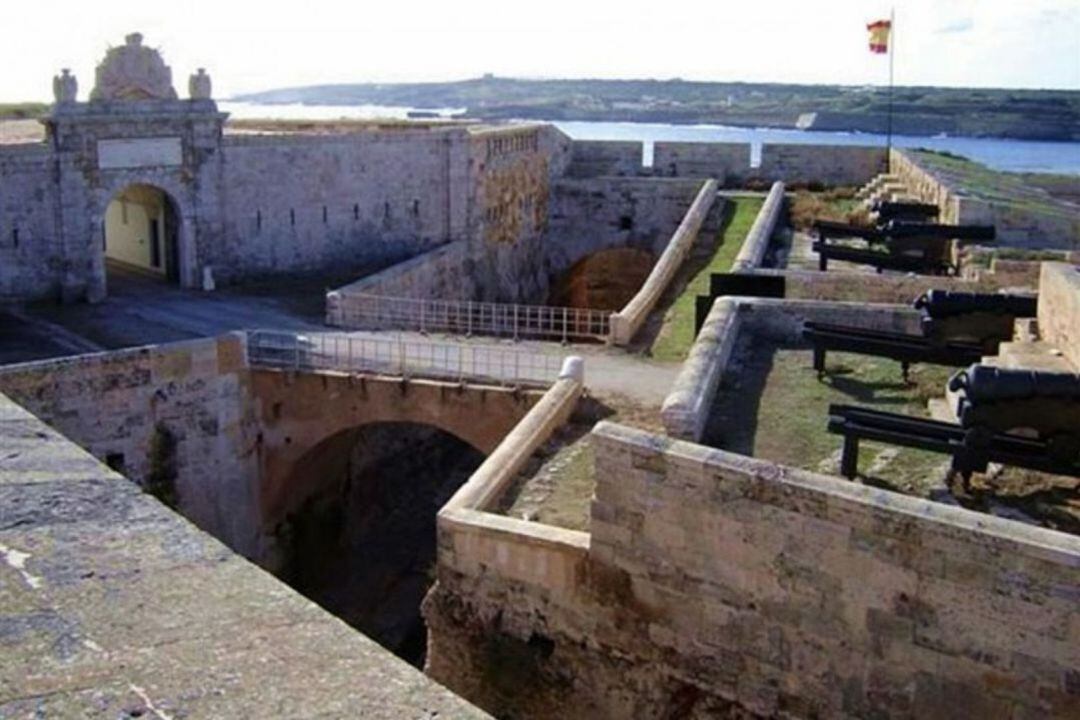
(892, 54)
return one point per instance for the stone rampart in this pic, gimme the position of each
(729, 163)
(716, 585)
(1059, 309)
(169, 416)
(826, 598)
(799, 164)
(626, 322)
(303, 203)
(793, 164)
(1034, 222)
(598, 158)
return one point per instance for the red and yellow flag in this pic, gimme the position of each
(879, 36)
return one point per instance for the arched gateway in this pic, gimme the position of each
(141, 232)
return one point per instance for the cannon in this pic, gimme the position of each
(1027, 403)
(895, 229)
(903, 210)
(986, 319)
(907, 246)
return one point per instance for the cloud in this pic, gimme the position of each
(959, 25)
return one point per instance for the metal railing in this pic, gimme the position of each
(388, 356)
(362, 311)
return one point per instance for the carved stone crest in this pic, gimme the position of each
(133, 72)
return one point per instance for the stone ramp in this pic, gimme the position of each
(112, 605)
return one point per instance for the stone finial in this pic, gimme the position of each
(133, 72)
(199, 87)
(65, 87)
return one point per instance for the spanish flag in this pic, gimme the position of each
(879, 36)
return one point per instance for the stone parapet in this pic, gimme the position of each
(125, 609)
(754, 247)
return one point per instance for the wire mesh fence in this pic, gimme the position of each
(395, 356)
(381, 312)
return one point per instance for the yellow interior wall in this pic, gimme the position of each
(129, 242)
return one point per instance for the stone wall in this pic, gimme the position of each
(173, 416)
(29, 245)
(1059, 309)
(893, 288)
(793, 163)
(1019, 223)
(304, 203)
(597, 158)
(797, 164)
(717, 585)
(444, 274)
(603, 213)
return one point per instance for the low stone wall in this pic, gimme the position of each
(790, 163)
(686, 409)
(626, 322)
(799, 594)
(729, 163)
(754, 247)
(440, 274)
(797, 164)
(170, 416)
(478, 546)
(596, 158)
(717, 585)
(1059, 308)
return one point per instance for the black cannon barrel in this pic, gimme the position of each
(987, 383)
(831, 228)
(899, 229)
(944, 303)
(904, 210)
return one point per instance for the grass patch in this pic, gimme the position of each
(839, 205)
(778, 409)
(22, 111)
(677, 332)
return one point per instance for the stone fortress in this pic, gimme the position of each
(146, 490)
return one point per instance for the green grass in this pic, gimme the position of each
(22, 111)
(677, 333)
(789, 421)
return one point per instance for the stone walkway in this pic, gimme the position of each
(113, 606)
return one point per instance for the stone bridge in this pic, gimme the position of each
(307, 421)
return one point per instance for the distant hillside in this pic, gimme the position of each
(1022, 114)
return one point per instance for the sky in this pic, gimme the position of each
(250, 46)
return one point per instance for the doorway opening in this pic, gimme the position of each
(141, 235)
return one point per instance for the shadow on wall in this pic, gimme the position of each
(362, 545)
(605, 280)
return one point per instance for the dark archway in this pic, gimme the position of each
(141, 235)
(362, 542)
(604, 280)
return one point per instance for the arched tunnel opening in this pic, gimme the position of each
(362, 543)
(605, 280)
